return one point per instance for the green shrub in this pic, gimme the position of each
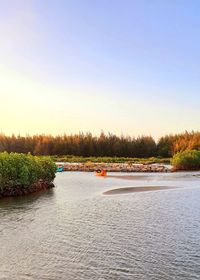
(187, 160)
(25, 170)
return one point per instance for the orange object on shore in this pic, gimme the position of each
(102, 173)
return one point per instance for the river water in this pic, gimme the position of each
(76, 232)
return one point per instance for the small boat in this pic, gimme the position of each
(102, 173)
(60, 168)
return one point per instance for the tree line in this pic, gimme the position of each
(85, 144)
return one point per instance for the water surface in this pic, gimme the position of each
(76, 232)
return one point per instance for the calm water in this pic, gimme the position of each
(75, 232)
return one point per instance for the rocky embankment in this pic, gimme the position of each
(10, 191)
(115, 167)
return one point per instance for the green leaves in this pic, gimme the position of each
(25, 170)
(187, 160)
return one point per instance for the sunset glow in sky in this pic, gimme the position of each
(128, 67)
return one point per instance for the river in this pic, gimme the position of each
(74, 231)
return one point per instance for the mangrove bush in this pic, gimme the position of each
(187, 160)
(25, 170)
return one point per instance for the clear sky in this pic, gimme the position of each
(124, 66)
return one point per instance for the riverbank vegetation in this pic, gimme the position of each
(187, 160)
(23, 174)
(79, 159)
(105, 145)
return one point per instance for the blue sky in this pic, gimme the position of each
(128, 67)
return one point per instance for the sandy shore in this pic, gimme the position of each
(136, 189)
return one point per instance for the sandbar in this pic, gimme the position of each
(136, 189)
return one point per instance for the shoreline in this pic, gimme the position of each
(17, 191)
(115, 167)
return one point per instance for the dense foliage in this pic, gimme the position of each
(87, 145)
(171, 144)
(24, 170)
(187, 160)
(80, 145)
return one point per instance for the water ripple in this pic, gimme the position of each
(75, 233)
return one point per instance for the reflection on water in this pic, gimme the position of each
(24, 203)
(75, 232)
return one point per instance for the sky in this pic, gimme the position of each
(129, 67)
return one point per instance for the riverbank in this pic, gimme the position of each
(115, 167)
(9, 191)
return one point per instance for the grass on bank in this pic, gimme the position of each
(80, 159)
(25, 170)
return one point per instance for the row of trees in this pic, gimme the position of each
(103, 145)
